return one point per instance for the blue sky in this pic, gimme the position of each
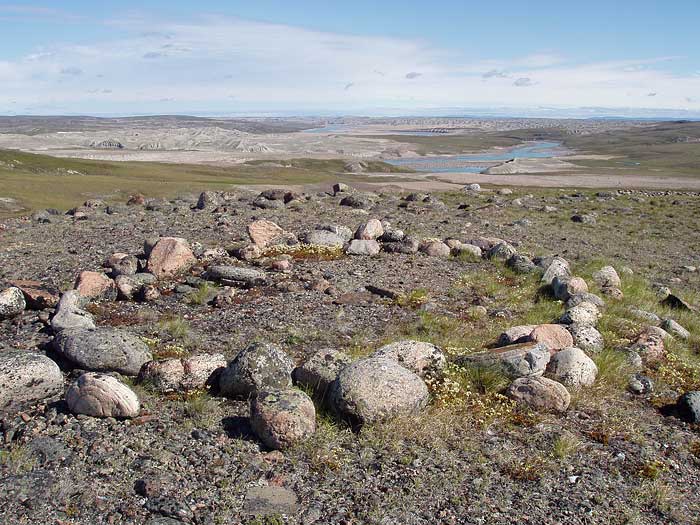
(626, 57)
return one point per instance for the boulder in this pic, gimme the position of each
(103, 349)
(264, 233)
(675, 329)
(320, 370)
(540, 393)
(170, 256)
(467, 251)
(176, 375)
(501, 252)
(587, 338)
(521, 264)
(323, 238)
(236, 276)
(557, 267)
(419, 357)
(129, 286)
(674, 302)
(519, 360)
(370, 230)
(583, 314)
(208, 200)
(26, 378)
(434, 248)
(69, 313)
(282, 418)
(572, 367)
(577, 299)
(100, 395)
(607, 277)
(95, 285)
(339, 187)
(555, 336)
(36, 294)
(515, 334)
(375, 389)
(363, 247)
(688, 406)
(650, 347)
(260, 366)
(564, 287)
(12, 302)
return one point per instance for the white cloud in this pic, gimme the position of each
(198, 64)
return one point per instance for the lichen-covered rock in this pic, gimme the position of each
(419, 357)
(100, 395)
(282, 418)
(578, 298)
(103, 349)
(501, 252)
(320, 370)
(675, 329)
(650, 347)
(323, 238)
(375, 389)
(572, 367)
(521, 264)
(260, 366)
(175, 375)
(586, 314)
(26, 378)
(12, 302)
(688, 406)
(236, 276)
(540, 393)
(607, 277)
(587, 338)
(170, 256)
(520, 360)
(467, 251)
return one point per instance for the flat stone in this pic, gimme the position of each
(270, 501)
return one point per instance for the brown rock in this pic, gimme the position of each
(555, 336)
(94, 285)
(170, 256)
(262, 231)
(282, 418)
(435, 248)
(650, 346)
(540, 393)
(37, 295)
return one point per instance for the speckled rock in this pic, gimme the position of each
(558, 267)
(12, 302)
(375, 389)
(564, 287)
(192, 373)
(572, 367)
(236, 275)
(26, 378)
(320, 370)
(419, 357)
(260, 366)
(587, 338)
(519, 360)
(675, 329)
(282, 418)
(103, 349)
(540, 393)
(586, 314)
(363, 247)
(100, 395)
(607, 277)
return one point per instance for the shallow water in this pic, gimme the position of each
(464, 163)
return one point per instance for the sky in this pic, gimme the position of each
(308, 57)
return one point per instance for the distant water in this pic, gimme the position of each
(334, 128)
(464, 163)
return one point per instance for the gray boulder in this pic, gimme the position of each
(103, 349)
(520, 360)
(540, 393)
(557, 267)
(587, 338)
(688, 406)
(69, 313)
(323, 238)
(376, 389)
(259, 366)
(236, 276)
(363, 247)
(26, 378)
(320, 370)
(675, 329)
(572, 367)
